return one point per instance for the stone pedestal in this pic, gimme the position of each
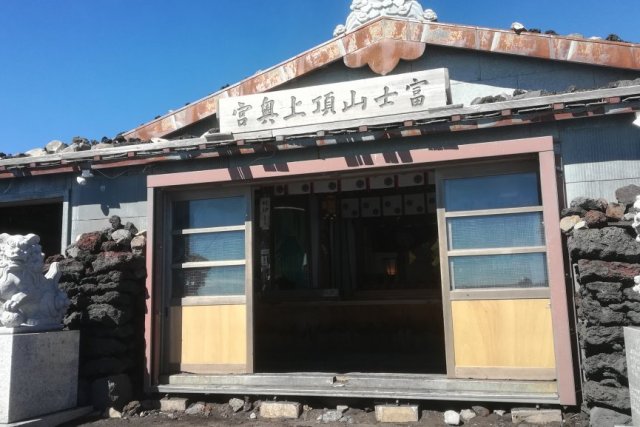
(38, 374)
(632, 345)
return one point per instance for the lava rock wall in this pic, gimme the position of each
(606, 257)
(104, 277)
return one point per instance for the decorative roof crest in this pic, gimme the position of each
(363, 11)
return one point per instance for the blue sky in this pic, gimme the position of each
(98, 67)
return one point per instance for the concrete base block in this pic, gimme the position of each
(174, 404)
(602, 417)
(535, 416)
(397, 414)
(291, 410)
(54, 419)
(632, 350)
(38, 374)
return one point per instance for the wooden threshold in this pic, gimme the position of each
(360, 385)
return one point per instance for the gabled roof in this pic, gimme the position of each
(383, 42)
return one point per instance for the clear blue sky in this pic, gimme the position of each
(98, 67)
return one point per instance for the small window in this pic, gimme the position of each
(208, 213)
(495, 232)
(221, 246)
(499, 271)
(492, 192)
(218, 281)
(208, 247)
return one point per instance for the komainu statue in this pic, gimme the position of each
(28, 297)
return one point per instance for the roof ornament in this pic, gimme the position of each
(363, 11)
(518, 28)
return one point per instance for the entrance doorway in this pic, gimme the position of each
(44, 219)
(348, 276)
(207, 318)
(328, 282)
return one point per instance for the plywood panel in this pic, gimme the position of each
(208, 335)
(503, 333)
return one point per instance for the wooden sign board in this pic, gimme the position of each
(335, 106)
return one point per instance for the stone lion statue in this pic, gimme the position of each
(27, 297)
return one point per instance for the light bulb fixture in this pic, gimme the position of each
(391, 267)
(637, 120)
(85, 174)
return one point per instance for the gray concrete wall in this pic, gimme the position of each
(94, 203)
(600, 157)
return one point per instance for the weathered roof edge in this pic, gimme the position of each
(594, 103)
(358, 49)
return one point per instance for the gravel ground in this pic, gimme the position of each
(220, 414)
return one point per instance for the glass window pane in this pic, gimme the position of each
(496, 231)
(492, 192)
(218, 281)
(499, 271)
(209, 247)
(222, 212)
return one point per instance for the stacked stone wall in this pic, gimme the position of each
(104, 274)
(606, 257)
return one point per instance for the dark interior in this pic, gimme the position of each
(45, 220)
(348, 281)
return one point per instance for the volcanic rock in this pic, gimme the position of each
(608, 244)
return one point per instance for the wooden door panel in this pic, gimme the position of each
(209, 339)
(503, 339)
